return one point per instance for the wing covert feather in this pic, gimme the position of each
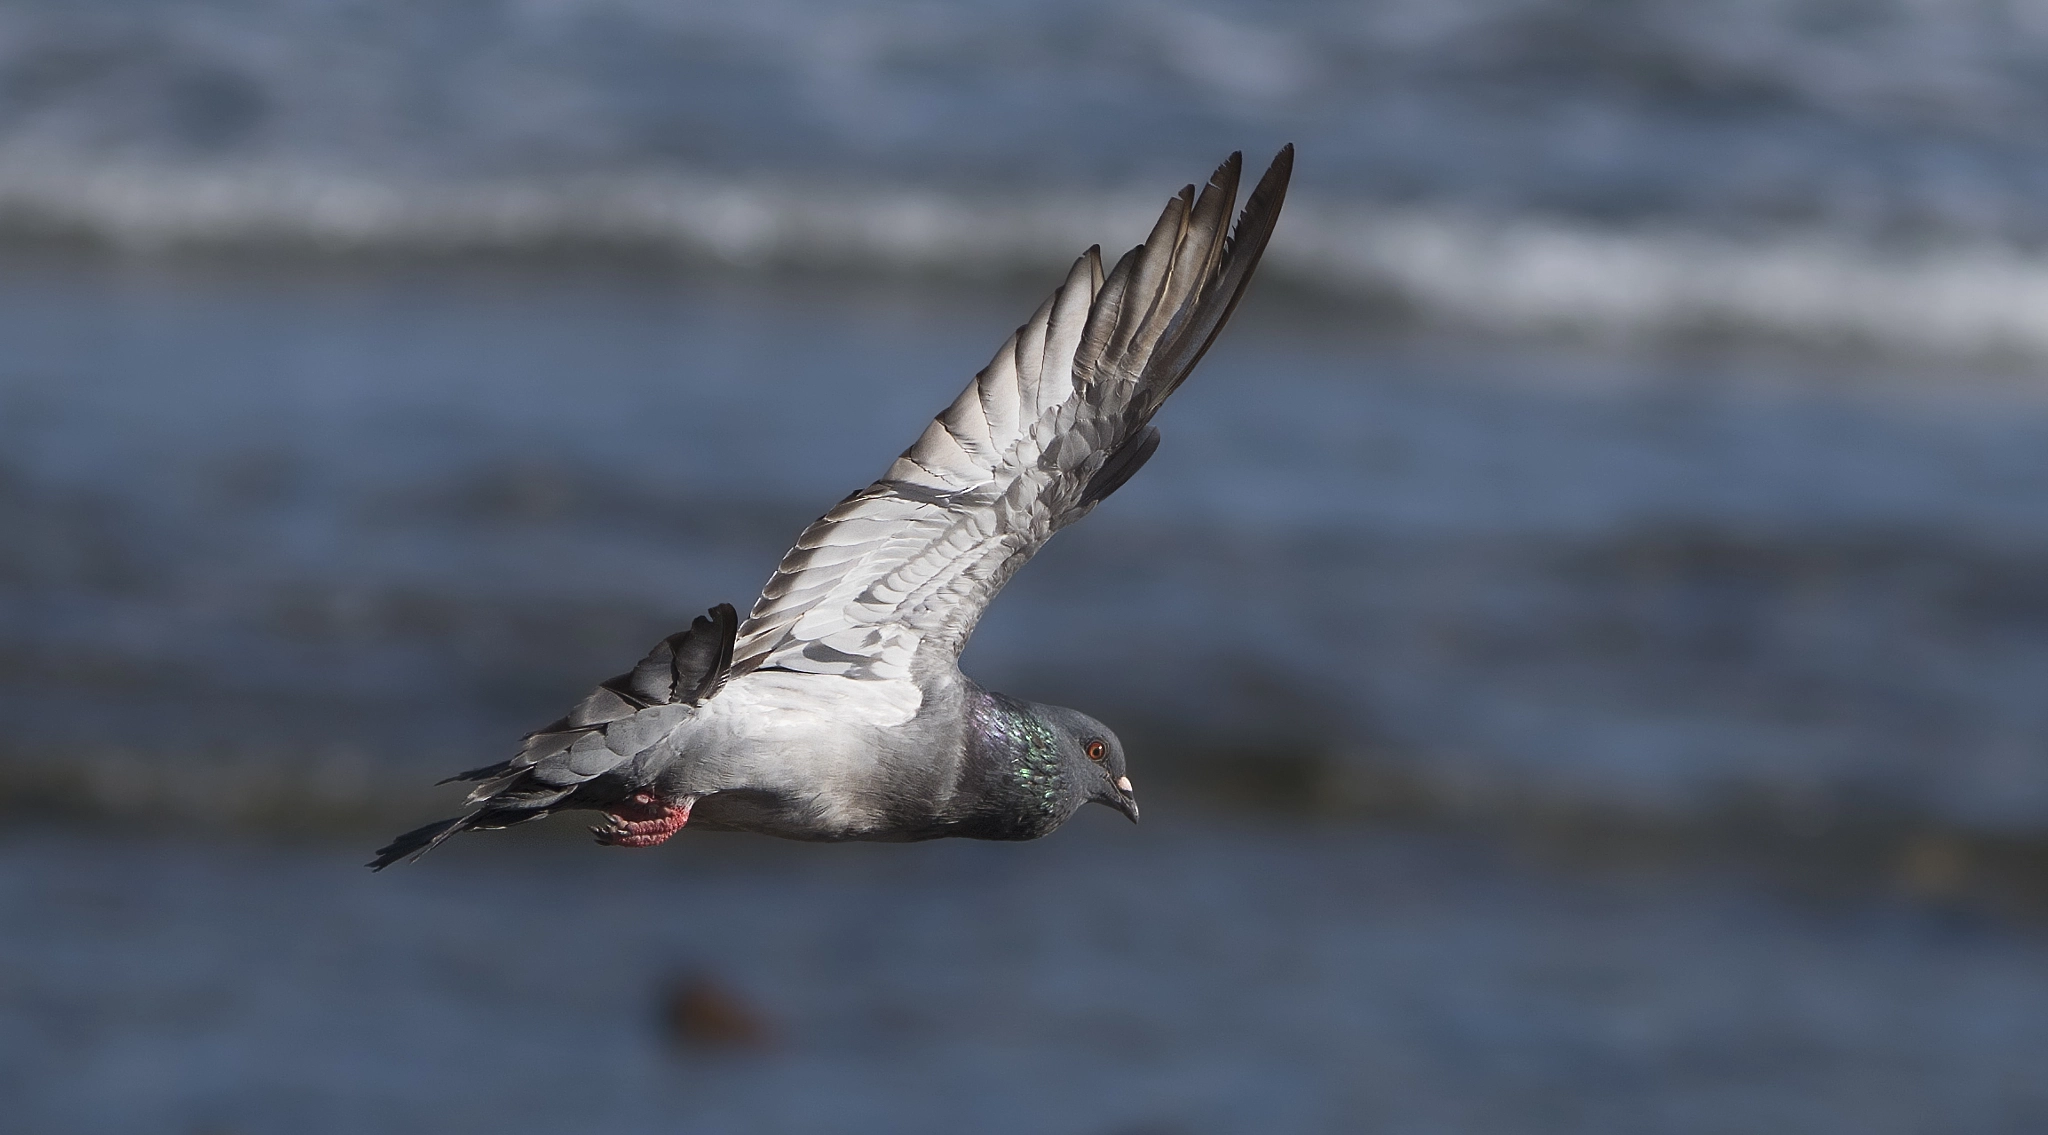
(1055, 423)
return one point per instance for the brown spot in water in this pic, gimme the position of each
(1935, 866)
(701, 1013)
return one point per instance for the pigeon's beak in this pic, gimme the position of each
(1122, 799)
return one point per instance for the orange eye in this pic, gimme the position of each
(1097, 750)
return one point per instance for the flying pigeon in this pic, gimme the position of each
(836, 710)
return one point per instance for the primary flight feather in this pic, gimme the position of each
(836, 710)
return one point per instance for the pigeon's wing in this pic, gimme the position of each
(1058, 421)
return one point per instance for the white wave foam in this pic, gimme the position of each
(1514, 275)
(1536, 274)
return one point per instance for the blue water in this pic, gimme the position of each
(1866, 173)
(1225, 977)
(1881, 114)
(380, 522)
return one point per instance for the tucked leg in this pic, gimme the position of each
(643, 821)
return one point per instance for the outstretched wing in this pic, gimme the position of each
(1058, 421)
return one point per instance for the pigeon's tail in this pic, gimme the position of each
(562, 766)
(421, 840)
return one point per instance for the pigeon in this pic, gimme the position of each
(836, 710)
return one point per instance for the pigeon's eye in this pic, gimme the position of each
(1097, 750)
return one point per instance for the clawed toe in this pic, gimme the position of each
(641, 822)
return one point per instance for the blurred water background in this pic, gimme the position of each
(1584, 636)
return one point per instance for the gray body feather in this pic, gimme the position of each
(836, 709)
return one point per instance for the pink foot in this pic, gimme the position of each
(642, 821)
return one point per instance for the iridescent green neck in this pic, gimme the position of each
(1037, 763)
(1025, 756)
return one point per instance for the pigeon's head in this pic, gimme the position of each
(1091, 760)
